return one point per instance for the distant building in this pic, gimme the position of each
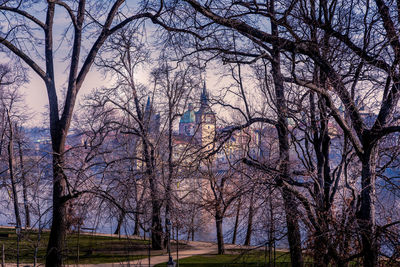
(151, 118)
(199, 125)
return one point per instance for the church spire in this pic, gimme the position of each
(150, 117)
(147, 110)
(148, 105)
(204, 95)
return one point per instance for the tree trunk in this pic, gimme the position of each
(58, 226)
(250, 221)
(236, 221)
(366, 213)
(11, 171)
(138, 200)
(319, 249)
(24, 186)
(156, 226)
(191, 226)
(168, 192)
(167, 217)
(149, 159)
(322, 187)
(121, 218)
(271, 232)
(292, 215)
(136, 229)
(220, 235)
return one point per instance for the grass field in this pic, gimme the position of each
(239, 258)
(92, 248)
(233, 258)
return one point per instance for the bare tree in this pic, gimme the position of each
(90, 25)
(175, 85)
(365, 57)
(23, 174)
(222, 186)
(11, 168)
(137, 118)
(11, 100)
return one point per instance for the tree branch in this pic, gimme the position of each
(24, 57)
(24, 14)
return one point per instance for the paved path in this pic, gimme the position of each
(155, 259)
(200, 248)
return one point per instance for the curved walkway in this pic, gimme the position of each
(200, 249)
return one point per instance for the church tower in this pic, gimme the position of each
(151, 119)
(205, 121)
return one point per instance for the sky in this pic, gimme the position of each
(36, 94)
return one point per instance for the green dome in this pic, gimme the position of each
(189, 116)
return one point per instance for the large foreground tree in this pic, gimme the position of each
(28, 34)
(358, 54)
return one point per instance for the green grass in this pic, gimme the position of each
(239, 258)
(92, 249)
(233, 258)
